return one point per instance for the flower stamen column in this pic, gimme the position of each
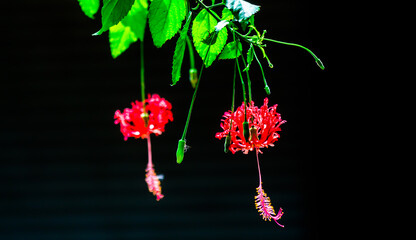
(152, 180)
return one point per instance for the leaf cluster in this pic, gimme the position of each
(126, 21)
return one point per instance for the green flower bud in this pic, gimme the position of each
(267, 89)
(180, 151)
(246, 131)
(193, 76)
(227, 143)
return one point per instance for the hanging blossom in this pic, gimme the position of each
(140, 122)
(133, 120)
(263, 125)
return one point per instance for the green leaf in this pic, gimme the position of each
(203, 27)
(241, 9)
(89, 7)
(227, 14)
(180, 51)
(130, 29)
(165, 19)
(250, 57)
(230, 51)
(113, 12)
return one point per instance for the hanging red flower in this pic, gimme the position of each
(132, 120)
(139, 122)
(264, 123)
(251, 128)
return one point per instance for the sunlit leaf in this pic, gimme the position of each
(180, 51)
(130, 29)
(203, 28)
(89, 7)
(113, 12)
(165, 19)
(230, 51)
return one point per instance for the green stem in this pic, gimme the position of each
(248, 80)
(194, 96)
(180, 151)
(266, 87)
(143, 92)
(216, 5)
(209, 10)
(317, 60)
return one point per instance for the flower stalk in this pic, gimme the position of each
(193, 72)
(180, 152)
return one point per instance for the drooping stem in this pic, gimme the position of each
(194, 96)
(266, 87)
(143, 92)
(242, 81)
(248, 80)
(317, 60)
(182, 142)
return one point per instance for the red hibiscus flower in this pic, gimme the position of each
(264, 123)
(139, 122)
(133, 120)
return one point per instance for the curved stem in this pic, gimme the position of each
(317, 60)
(266, 87)
(194, 95)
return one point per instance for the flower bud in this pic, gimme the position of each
(246, 131)
(193, 76)
(227, 143)
(320, 63)
(180, 151)
(267, 89)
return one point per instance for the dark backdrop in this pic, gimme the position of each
(67, 173)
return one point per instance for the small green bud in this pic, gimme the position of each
(267, 89)
(193, 76)
(320, 63)
(180, 151)
(227, 143)
(246, 131)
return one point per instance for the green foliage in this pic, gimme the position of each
(227, 14)
(230, 51)
(250, 57)
(180, 51)
(241, 9)
(165, 19)
(130, 29)
(113, 12)
(89, 7)
(203, 28)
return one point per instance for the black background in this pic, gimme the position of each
(67, 173)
